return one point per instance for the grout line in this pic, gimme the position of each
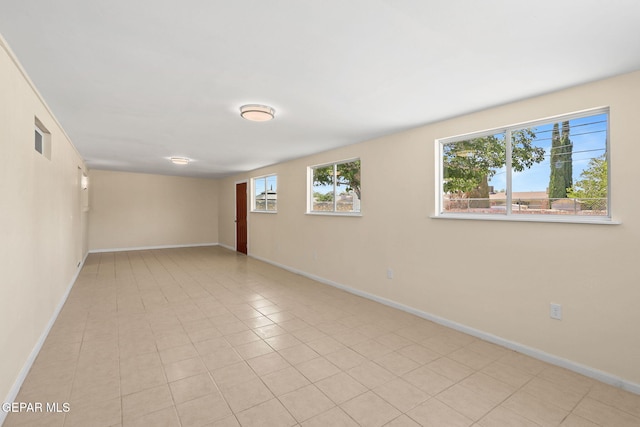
(152, 267)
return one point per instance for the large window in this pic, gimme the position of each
(555, 168)
(335, 188)
(265, 194)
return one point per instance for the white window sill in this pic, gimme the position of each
(530, 218)
(265, 212)
(354, 214)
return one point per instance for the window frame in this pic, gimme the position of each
(334, 212)
(254, 198)
(45, 138)
(508, 215)
(42, 141)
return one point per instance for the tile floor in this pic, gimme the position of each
(206, 337)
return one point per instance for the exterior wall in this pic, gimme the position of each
(494, 276)
(43, 222)
(132, 210)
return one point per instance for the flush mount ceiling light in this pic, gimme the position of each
(257, 113)
(179, 160)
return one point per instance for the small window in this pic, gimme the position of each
(265, 194)
(555, 168)
(42, 140)
(39, 139)
(335, 188)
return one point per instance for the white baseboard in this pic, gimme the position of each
(231, 248)
(521, 348)
(15, 389)
(146, 248)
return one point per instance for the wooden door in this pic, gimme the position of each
(241, 217)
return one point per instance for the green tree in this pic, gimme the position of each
(326, 197)
(592, 185)
(561, 162)
(348, 174)
(470, 164)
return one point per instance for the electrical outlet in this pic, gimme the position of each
(389, 273)
(555, 311)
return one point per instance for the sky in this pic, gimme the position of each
(588, 135)
(270, 182)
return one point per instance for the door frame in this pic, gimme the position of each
(235, 213)
(77, 220)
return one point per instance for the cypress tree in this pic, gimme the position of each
(560, 162)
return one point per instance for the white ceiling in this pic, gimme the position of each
(135, 82)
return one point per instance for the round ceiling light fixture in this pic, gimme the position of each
(179, 160)
(257, 113)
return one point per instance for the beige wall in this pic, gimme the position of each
(133, 210)
(496, 277)
(42, 224)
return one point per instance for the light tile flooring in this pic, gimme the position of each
(206, 337)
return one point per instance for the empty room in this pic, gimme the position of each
(296, 213)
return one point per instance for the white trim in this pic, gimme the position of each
(42, 141)
(608, 160)
(309, 189)
(566, 219)
(321, 213)
(17, 384)
(508, 165)
(39, 128)
(227, 247)
(253, 196)
(146, 248)
(335, 186)
(438, 171)
(521, 348)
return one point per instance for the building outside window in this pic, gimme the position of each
(265, 194)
